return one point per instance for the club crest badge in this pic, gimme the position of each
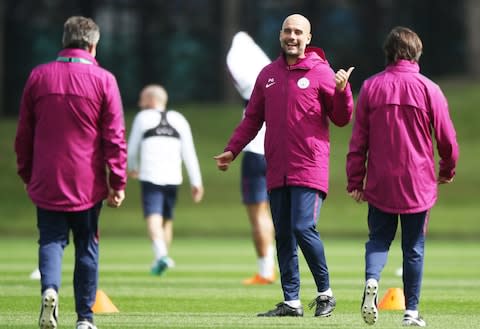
(303, 83)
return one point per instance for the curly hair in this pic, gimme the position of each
(80, 32)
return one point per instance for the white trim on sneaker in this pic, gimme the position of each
(410, 321)
(369, 304)
(85, 325)
(49, 311)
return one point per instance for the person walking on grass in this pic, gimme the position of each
(245, 59)
(390, 164)
(296, 96)
(71, 155)
(158, 143)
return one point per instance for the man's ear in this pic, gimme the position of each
(92, 49)
(309, 39)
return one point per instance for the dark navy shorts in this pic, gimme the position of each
(158, 199)
(254, 182)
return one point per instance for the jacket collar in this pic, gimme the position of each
(311, 59)
(403, 65)
(78, 53)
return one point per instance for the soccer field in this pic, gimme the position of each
(204, 289)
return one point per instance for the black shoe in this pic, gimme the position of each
(283, 309)
(325, 305)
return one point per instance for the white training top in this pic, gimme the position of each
(256, 145)
(156, 151)
(245, 60)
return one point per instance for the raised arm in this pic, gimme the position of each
(337, 97)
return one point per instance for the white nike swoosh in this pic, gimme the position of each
(268, 85)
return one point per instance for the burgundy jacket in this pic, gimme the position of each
(391, 152)
(70, 129)
(297, 103)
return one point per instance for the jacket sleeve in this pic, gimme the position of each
(25, 133)
(113, 136)
(251, 123)
(338, 104)
(134, 143)
(189, 155)
(445, 134)
(357, 153)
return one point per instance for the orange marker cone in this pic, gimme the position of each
(394, 299)
(103, 304)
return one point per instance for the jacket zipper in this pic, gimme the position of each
(285, 126)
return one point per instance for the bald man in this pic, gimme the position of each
(159, 141)
(297, 95)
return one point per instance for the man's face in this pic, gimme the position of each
(295, 36)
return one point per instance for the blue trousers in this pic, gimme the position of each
(54, 228)
(295, 211)
(382, 228)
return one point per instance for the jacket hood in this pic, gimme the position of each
(318, 51)
(313, 56)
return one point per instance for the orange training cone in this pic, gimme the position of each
(103, 304)
(394, 299)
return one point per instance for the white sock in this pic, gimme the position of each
(159, 248)
(412, 313)
(294, 303)
(266, 264)
(327, 292)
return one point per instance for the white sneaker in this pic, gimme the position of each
(410, 321)
(49, 312)
(85, 325)
(369, 303)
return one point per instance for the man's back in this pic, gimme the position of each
(404, 107)
(157, 156)
(74, 113)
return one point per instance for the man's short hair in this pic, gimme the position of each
(158, 92)
(402, 43)
(80, 32)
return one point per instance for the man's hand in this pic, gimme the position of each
(223, 160)
(115, 198)
(197, 193)
(133, 174)
(341, 78)
(357, 196)
(444, 180)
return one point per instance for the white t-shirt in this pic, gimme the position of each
(158, 158)
(256, 145)
(245, 60)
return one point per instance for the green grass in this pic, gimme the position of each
(204, 290)
(221, 214)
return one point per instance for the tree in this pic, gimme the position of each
(472, 21)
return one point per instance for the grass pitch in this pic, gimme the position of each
(204, 290)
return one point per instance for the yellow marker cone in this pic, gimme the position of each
(394, 299)
(103, 304)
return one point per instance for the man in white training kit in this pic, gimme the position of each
(159, 141)
(245, 60)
